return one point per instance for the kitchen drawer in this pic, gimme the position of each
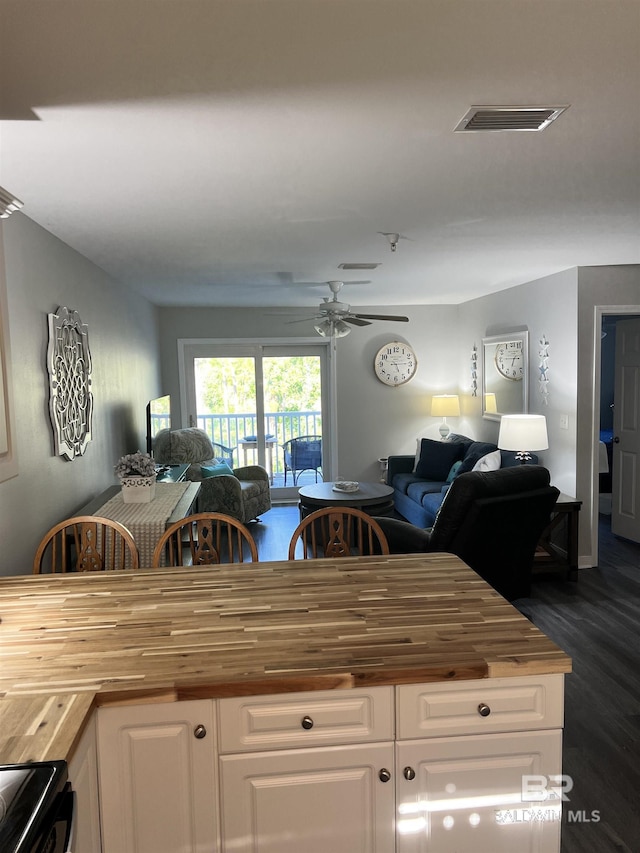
(327, 717)
(486, 705)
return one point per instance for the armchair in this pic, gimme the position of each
(492, 520)
(243, 493)
(302, 454)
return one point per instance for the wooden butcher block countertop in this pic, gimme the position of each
(69, 642)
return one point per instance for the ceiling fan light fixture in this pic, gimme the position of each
(323, 329)
(332, 328)
(341, 329)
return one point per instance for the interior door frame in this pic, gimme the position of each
(601, 311)
(328, 377)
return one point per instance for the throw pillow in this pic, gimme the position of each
(490, 462)
(453, 471)
(216, 470)
(436, 458)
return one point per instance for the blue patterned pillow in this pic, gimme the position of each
(216, 470)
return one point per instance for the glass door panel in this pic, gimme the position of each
(293, 410)
(252, 400)
(225, 390)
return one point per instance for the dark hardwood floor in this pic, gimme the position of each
(596, 620)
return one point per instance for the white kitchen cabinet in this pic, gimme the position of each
(464, 792)
(333, 791)
(413, 769)
(338, 799)
(83, 773)
(157, 773)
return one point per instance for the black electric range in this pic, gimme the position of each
(36, 808)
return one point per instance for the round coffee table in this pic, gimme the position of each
(372, 498)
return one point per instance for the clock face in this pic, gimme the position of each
(510, 360)
(395, 363)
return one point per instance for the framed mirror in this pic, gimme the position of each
(505, 375)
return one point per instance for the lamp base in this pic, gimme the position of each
(523, 457)
(444, 429)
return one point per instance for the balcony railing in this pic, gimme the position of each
(228, 430)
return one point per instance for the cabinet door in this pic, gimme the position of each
(157, 778)
(83, 773)
(466, 794)
(309, 801)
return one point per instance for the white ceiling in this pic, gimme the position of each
(216, 153)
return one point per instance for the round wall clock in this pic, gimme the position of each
(395, 363)
(509, 360)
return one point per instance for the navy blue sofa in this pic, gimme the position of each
(418, 490)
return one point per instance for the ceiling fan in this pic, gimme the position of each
(335, 318)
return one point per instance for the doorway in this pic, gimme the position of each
(252, 399)
(612, 481)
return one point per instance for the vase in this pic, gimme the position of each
(138, 489)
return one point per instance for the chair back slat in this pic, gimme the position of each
(205, 539)
(337, 532)
(86, 543)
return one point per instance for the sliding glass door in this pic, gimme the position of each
(253, 400)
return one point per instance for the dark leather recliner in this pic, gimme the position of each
(492, 520)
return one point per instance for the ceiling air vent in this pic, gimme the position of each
(486, 119)
(358, 266)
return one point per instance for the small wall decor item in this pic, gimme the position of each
(474, 371)
(543, 367)
(70, 397)
(137, 474)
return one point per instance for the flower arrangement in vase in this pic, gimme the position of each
(137, 473)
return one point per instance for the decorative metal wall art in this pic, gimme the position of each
(543, 367)
(474, 371)
(70, 397)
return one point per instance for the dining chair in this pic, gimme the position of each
(86, 543)
(205, 539)
(337, 532)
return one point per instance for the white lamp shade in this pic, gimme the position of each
(523, 432)
(445, 406)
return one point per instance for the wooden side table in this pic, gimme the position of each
(558, 546)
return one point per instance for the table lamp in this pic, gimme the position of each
(490, 403)
(523, 433)
(445, 406)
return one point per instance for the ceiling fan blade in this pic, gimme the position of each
(382, 317)
(356, 321)
(304, 319)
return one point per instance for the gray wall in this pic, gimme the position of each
(43, 274)
(373, 419)
(135, 345)
(547, 307)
